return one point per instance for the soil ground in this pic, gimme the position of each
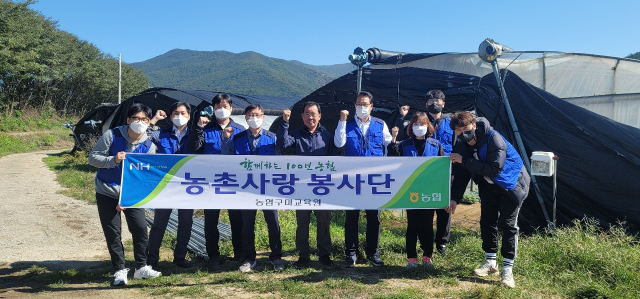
(44, 228)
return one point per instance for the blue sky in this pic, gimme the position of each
(326, 32)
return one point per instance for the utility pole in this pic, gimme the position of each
(119, 78)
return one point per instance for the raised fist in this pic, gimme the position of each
(160, 114)
(343, 115)
(228, 132)
(394, 132)
(203, 121)
(404, 110)
(286, 114)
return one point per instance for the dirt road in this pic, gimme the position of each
(40, 227)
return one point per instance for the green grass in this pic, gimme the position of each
(30, 131)
(580, 261)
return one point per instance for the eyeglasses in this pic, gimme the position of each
(144, 119)
(253, 115)
(312, 115)
(362, 105)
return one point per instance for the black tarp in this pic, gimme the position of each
(162, 98)
(599, 159)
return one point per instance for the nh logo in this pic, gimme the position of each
(139, 166)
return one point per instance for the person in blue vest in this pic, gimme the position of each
(107, 155)
(419, 221)
(257, 141)
(311, 140)
(444, 134)
(362, 135)
(208, 138)
(171, 140)
(494, 164)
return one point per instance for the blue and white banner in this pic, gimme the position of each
(284, 182)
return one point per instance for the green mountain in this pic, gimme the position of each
(246, 73)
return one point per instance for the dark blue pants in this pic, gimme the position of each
(443, 227)
(351, 232)
(160, 222)
(112, 228)
(212, 234)
(323, 223)
(419, 226)
(249, 235)
(498, 212)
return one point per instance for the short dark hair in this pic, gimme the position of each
(364, 94)
(461, 119)
(137, 108)
(422, 118)
(252, 107)
(221, 97)
(311, 103)
(175, 106)
(435, 94)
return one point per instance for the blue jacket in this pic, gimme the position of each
(113, 175)
(358, 145)
(443, 133)
(320, 143)
(208, 140)
(167, 142)
(266, 144)
(492, 157)
(431, 147)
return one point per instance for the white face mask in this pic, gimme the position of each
(139, 127)
(420, 130)
(179, 121)
(222, 113)
(362, 112)
(255, 122)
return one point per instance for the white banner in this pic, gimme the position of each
(284, 182)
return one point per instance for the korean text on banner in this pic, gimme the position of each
(284, 182)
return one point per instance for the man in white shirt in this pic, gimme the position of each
(362, 135)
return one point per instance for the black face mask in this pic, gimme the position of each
(467, 136)
(435, 108)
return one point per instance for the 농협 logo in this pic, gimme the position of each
(413, 197)
(139, 166)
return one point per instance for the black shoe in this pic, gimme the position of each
(350, 261)
(213, 265)
(303, 262)
(182, 263)
(236, 258)
(326, 260)
(442, 249)
(375, 261)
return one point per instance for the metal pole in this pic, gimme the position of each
(555, 174)
(359, 78)
(119, 78)
(520, 145)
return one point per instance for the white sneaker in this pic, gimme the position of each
(120, 277)
(507, 277)
(146, 272)
(247, 266)
(487, 268)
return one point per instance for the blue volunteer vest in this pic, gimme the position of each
(168, 143)
(266, 144)
(213, 138)
(431, 147)
(444, 134)
(358, 145)
(508, 177)
(113, 175)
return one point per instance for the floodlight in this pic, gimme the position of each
(489, 50)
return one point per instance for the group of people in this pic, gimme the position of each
(475, 150)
